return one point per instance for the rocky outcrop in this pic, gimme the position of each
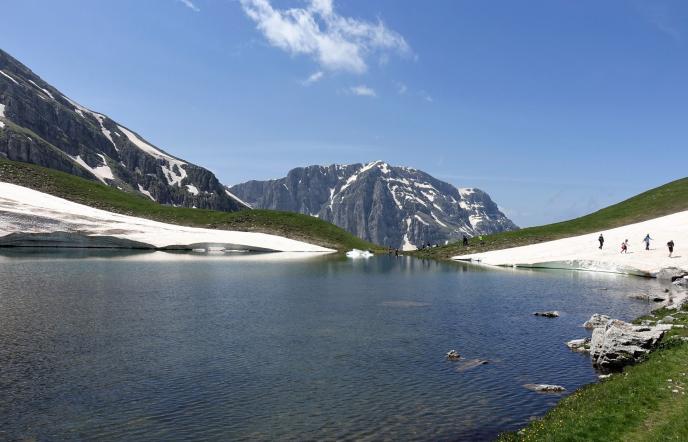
(40, 125)
(596, 320)
(392, 206)
(580, 345)
(618, 343)
(671, 274)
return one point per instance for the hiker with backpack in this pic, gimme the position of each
(601, 240)
(624, 247)
(647, 241)
(670, 245)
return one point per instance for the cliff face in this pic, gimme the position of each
(40, 125)
(392, 206)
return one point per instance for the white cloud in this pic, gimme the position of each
(336, 42)
(401, 88)
(362, 91)
(313, 78)
(189, 4)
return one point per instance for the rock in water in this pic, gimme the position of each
(545, 388)
(471, 363)
(670, 274)
(619, 343)
(552, 314)
(581, 345)
(596, 320)
(453, 355)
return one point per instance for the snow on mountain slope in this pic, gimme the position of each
(25, 211)
(583, 253)
(392, 206)
(40, 125)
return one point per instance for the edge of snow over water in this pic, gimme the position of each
(583, 253)
(27, 211)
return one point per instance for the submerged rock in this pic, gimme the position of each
(453, 355)
(471, 363)
(618, 343)
(545, 388)
(596, 320)
(550, 314)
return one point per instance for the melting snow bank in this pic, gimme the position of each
(583, 253)
(355, 253)
(32, 218)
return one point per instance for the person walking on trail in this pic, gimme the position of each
(465, 240)
(670, 244)
(624, 247)
(601, 240)
(647, 241)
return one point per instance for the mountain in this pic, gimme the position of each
(40, 125)
(391, 206)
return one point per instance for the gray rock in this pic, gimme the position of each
(471, 363)
(581, 345)
(596, 320)
(549, 314)
(380, 203)
(682, 282)
(545, 388)
(619, 343)
(671, 273)
(667, 320)
(453, 355)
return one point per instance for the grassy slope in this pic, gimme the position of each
(290, 225)
(636, 405)
(664, 200)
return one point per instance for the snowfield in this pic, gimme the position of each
(582, 252)
(26, 211)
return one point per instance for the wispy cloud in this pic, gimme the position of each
(425, 96)
(401, 88)
(363, 91)
(189, 4)
(313, 78)
(337, 43)
(660, 16)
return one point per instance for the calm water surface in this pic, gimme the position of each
(173, 347)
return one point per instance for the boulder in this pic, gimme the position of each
(545, 388)
(671, 274)
(682, 282)
(550, 314)
(581, 345)
(666, 320)
(619, 343)
(471, 363)
(453, 355)
(596, 320)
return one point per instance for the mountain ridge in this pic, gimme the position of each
(397, 206)
(40, 125)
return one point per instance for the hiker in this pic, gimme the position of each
(396, 252)
(465, 240)
(624, 247)
(647, 241)
(670, 244)
(601, 240)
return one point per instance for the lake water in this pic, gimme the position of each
(158, 346)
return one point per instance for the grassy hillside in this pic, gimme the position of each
(664, 200)
(291, 225)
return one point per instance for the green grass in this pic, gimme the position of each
(291, 225)
(636, 405)
(664, 200)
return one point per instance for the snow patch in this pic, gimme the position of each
(145, 192)
(231, 195)
(421, 219)
(8, 76)
(168, 169)
(192, 189)
(26, 207)
(437, 220)
(45, 91)
(406, 244)
(101, 172)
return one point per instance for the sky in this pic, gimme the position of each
(556, 108)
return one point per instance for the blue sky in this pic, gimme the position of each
(555, 108)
